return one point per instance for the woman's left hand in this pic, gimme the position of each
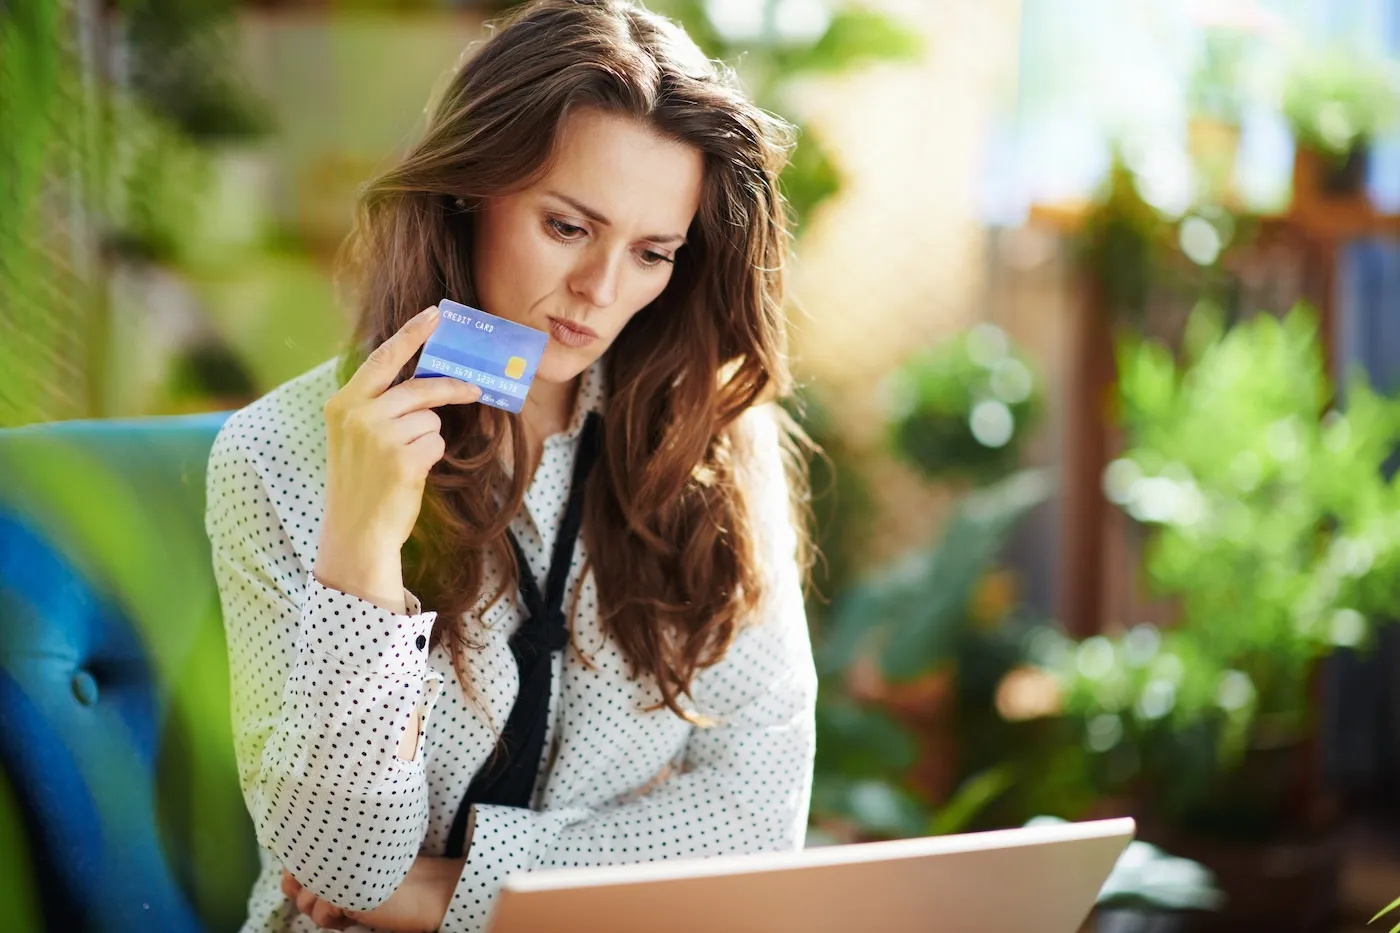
(417, 906)
(322, 913)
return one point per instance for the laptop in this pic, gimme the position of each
(1043, 878)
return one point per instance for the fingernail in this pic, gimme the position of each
(428, 312)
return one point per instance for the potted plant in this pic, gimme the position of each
(892, 644)
(1337, 102)
(961, 409)
(1273, 528)
(890, 661)
(1214, 104)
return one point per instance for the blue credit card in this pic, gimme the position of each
(498, 355)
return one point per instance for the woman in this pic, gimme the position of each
(616, 666)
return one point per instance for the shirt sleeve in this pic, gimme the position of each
(323, 686)
(744, 784)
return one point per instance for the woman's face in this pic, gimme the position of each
(593, 242)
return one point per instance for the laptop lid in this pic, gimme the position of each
(1043, 878)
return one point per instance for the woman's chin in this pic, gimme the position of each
(560, 365)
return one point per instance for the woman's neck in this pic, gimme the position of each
(547, 409)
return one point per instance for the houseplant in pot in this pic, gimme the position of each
(891, 642)
(1337, 102)
(1214, 101)
(1273, 530)
(961, 410)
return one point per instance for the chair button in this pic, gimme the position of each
(84, 687)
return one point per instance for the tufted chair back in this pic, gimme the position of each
(118, 787)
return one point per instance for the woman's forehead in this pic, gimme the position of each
(625, 172)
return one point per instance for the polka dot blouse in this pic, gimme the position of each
(324, 685)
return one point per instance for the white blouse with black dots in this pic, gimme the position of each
(324, 684)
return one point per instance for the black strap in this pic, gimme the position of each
(508, 778)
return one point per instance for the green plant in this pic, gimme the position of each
(1214, 89)
(1136, 249)
(1337, 101)
(964, 407)
(1121, 242)
(771, 49)
(914, 618)
(1385, 910)
(911, 614)
(183, 68)
(1272, 525)
(88, 165)
(944, 613)
(841, 503)
(42, 161)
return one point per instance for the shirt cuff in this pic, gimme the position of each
(502, 838)
(359, 634)
(504, 841)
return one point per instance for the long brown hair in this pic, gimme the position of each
(669, 522)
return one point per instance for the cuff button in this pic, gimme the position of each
(422, 642)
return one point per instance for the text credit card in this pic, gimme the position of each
(498, 355)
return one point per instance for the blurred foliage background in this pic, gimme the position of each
(1095, 307)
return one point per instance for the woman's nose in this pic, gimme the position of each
(596, 279)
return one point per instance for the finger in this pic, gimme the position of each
(380, 368)
(428, 450)
(306, 901)
(290, 886)
(426, 392)
(408, 428)
(327, 917)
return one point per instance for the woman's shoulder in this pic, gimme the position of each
(764, 434)
(270, 457)
(286, 423)
(771, 478)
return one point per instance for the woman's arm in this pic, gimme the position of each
(323, 687)
(332, 689)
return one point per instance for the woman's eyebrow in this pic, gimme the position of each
(596, 217)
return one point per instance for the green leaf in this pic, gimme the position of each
(1148, 379)
(809, 178)
(970, 799)
(1385, 910)
(1204, 328)
(856, 36)
(917, 607)
(859, 741)
(876, 806)
(861, 615)
(924, 637)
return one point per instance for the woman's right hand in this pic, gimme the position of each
(381, 441)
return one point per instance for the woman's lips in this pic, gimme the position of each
(571, 334)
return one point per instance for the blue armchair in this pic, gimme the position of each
(119, 800)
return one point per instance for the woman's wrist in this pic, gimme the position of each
(370, 573)
(446, 875)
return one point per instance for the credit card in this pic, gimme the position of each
(498, 355)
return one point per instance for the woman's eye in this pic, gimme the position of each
(653, 258)
(565, 231)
